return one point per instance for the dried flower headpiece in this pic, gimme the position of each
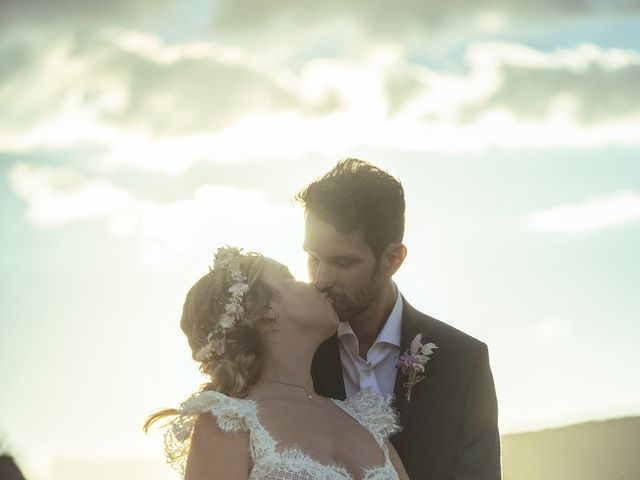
(227, 258)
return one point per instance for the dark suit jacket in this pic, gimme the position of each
(450, 427)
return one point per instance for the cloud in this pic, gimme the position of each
(134, 81)
(58, 196)
(142, 103)
(76, 13)
(194, 225)
(288, 21)
(201, 87)
(414, 17)
(215, 215)
(585, 85)
(588, 83)
(589, 215)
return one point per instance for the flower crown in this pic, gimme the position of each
(226, 258)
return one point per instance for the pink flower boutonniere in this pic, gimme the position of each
(412, 362)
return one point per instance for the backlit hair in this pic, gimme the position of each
(356, 195)
(238, 367)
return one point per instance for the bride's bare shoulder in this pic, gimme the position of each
(216, 454)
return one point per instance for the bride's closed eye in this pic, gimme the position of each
(285, 272)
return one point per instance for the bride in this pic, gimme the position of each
(254, 330)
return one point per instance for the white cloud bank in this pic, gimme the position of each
(58, 196)
(591, 214)
(193, 226)
(146, 104)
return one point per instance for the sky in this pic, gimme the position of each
(136, 137)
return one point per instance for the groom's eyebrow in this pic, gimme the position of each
(343, 258)
(336, 258)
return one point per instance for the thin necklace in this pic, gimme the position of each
(289, 385)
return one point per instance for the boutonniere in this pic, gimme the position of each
(412, 362)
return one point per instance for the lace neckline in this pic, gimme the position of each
(270, 460)
(267, 455)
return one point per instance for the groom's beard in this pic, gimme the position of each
(347, 307)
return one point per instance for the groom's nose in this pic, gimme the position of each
(321, 280)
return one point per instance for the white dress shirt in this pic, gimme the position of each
(378, 371)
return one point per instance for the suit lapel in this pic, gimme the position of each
(327, 369)
(409, 329)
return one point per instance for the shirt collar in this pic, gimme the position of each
(390, 332)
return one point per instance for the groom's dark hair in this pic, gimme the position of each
(356, 195)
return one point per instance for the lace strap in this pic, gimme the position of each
(231, 415)
(374, 412)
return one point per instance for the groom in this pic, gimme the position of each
(353, 238)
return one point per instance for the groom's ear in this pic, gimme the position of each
(392, 258)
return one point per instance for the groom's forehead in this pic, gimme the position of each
(323, 239)
(318, 230)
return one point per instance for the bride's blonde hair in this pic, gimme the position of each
(233, 371)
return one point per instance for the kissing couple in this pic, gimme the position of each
(340, 378)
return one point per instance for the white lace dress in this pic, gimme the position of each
(370, 409)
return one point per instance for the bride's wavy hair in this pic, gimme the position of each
(238, 367)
